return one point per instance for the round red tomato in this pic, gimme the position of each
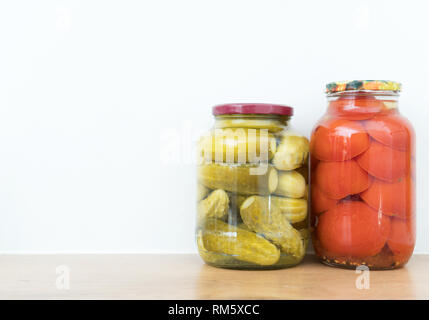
(355, 107)
(352, 228)
(340, 179)
(339, 140)
(320, 202)
(392, 199)
(384, 163)
(390, 130)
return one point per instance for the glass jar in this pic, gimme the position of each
(252, 189)
(363, 178)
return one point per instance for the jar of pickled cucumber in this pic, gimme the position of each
(252, 189)
(363, 178)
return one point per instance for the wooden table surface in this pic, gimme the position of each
(186, 277)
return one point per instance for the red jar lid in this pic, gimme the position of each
(252, 108)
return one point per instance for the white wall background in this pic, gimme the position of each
(93, 95)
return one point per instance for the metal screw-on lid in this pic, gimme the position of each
(252, 108)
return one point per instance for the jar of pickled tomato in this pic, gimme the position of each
(252, 189)
(363, 178)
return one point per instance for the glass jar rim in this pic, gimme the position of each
(252, 108)
(352, 93)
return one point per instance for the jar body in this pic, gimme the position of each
(252, 193)
(363, 182)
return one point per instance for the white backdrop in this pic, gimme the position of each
(99, 101)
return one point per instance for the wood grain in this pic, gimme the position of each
(187, 277)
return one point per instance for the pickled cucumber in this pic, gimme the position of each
(290, 184)
(202, 191)
(237, 145)
(244, 245)
(295, 210)
(210, 257)
(214, 206)
(291, 152)
(241, 179)
(269, 124)
(266, 219)
(288, 260)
